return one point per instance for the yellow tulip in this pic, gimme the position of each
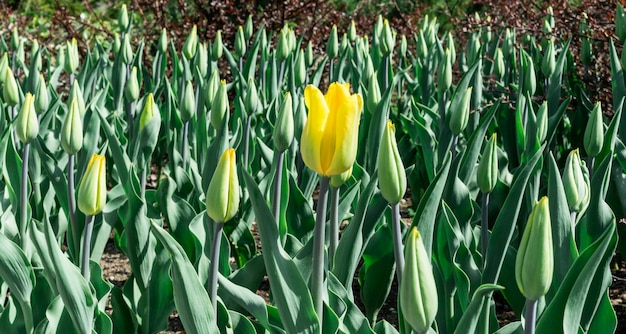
(92, 191)
(329, 138)
(222, 197)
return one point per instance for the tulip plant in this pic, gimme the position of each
(457, 171)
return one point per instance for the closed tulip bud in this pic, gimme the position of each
(218, 46)
(27, 125)
(444, 73)
(19, 53)
(72, 131)
(251, 100)
(35, 55)
(403, 46)
(594, 132)
(222, 197)
(343, 46)
(546, 28)
(498, 64)
(549, 62)
(450, 45)
(292, 40)
(530, 80)
(15, 38)
(330, 135)
(150, 111)
(369, 68)
(163, 41)
(542, 122)
(373, 93)
(308, 55)
(122, 18)
(586, 51)
(332, 46)
(388, 40)
(338, 180)
(534, 264)
(126, 50)
(4, 64)
(283, 130)
(620, 22)
(42, 99)
(487, 171)
(212, 86)
(202, 60)
(421, 47)
(92, 191)
(300, 69)
(191, 43)
(418, 290)
(131, 91)
(264, 45)
(391, 175)
(188, 105)
(220, 105)
(71, 56)
(117, 44)
(76, 93)
(473, 49)
(240, 43)
(378, 30)
(459, 114)
(576, 182)
(508, 44)
(487, 36)
(10, 92)
(248, 28)
(282, 47)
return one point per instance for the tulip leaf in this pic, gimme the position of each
(472, 314)
(18, 274)
(554, 90)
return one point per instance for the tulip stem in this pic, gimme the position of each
(215, 258)
(185, 144)
(455, 141)
(317, 275)
(84, 262)
(71, 191)
(386, 74)
(144, 176)
(330, 70)
(282, 74)
(246, 143)
(14, 118)
(484, 226)
(334, 225)
(592, 161)
(397, 240)
(24, 195)
(572, 217)
(278, 178)
(130, 115)
(531, 316)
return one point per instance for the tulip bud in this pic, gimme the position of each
(122, 18)
(473, 49)
(403, 46)
(391, 175)
(594, 132)
(251, 100)
(76, 93)
(202, 60)
(388, 39)
(369, 68)
(308, 55)
(546, 28)
(117, 44)
(444, 73)
(188, 105)
(487, 171)
(283, 130)
(248, 28)
(576, 182)
(212, 87)
(19, 53)
(292, 39)
(92, 191)
(264, 45)
(222, 197)
(451, 47)
(530, 80)
(459, 114)
(191, 43)
(498, 64)
(27, 125)
(338, 180)
(35, 55)
(163, 41)
(542, 122)
(15, 38)
(620, 22)
(220, 106)
(534, 264)
(282, 47)
(240, 43)
(126, 50)
(42, 99)
(378, 31)
(300, 69)
(373, 94)
(508, 44)
(218, 46)
(332, 46)
(131, 91)
(72, 131)
(418, 290)
(4, 64)
(150, 110)
(71, 57)
(549, 62)
(586, 52)
(343, 46)
(352, 31)
(10, 92)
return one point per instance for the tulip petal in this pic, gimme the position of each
(346, 129)
(314, 128)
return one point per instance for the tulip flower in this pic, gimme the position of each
(444, 73)
(4, 64)
(222, 197)
(594, 132)
(498, 64)
(283, 130)
(549, 62)
(248, 28)
(42, 99)
(373, 94)
(92, 191)
(332, 46)
(329, 138)
(212, 88)
(163, 41)
(240, 43)
(218, 46)
(127, 50)
(188, 105)
(71, 56)
(219, 107)
(391, 175)
(282, 47)
(352, 31)
(300, 69)
(202, 60)
(149, 111)
(251, 101)
(27, 125)
(530, 79)
(131, 91)
(576, 182)
(542, 122)
(122, 18)
(76, 94)
(459, 113)
(72, 131)
(10, 92)
(487, 171)
(191, 43)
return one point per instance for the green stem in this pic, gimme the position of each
(334, 225)
(71, 191)
(282, 73)
(215, 258)
(531, 316)
(278, 179)
(397, 240)
(130, 115)
(455, 141)
(592, 162)
(144, 175)
(317, 275)
(84, 261)
(484, 226)
(246, 143)
(24, 195)
(386, 69)
(28, 317)
(185, 144)
(330, 70)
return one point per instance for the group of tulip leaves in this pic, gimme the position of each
(211, 187)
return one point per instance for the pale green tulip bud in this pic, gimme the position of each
(240, 43)
(338, 180)
(264, 44)
(122, 18)
(473, 49)
(546, 28)
(444, 73)
(76, 93)
(403, 46)
(191, 43)
(418, 290)
(542, 122)
(72, 131)
(451, 47)
(459, 115)
(550, 17)
(508, 46)
(530, 80)
(369, 68)
(15, 38)
(282, 47)
(35, 55)
(19, 53)
(220, 105)
(576, 182)
(218, 46)
(377, 36)
(487, 36)
(248, 29)
(620, 22)
(343, 46)
(127, 50)
(188, 105)
(534, 264)
(549, 60)
(421, 47)
(594, 132)
(4, 64)
(10, 91)
(150, 110)
(498, 64)
(117, 44)
(212, 86)
(373, 94)
(586, 51)
(332, 46)
(391, 175)
(71, 56)
(300, 69)
(202, 60)
(284, 128)
(487, 171)
(251, 100)
(292, 40)
(27, 125)
(352, 31)
(163, 41)
(308, 55)
(92, 191)
(131, 91)
(388, 40)
(42, 99)
(222, 197)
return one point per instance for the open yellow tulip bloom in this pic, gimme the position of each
(329, 139)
